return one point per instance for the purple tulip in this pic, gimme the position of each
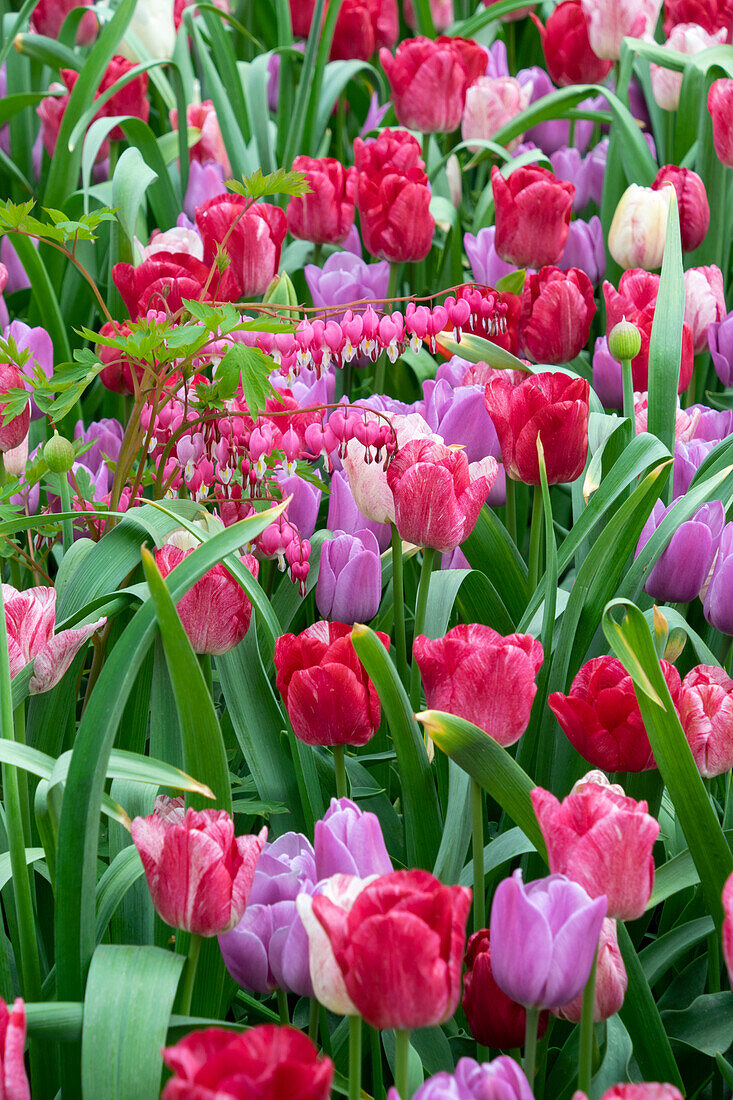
(718, 605)
(205, 181)
(17, 278)
(456, 559)
(303, 508)
(349, 585)
(543, 939)
(720, 340)
(497, 61)
(38, 343)
(567, 164)
(713, 425)
(453, 371)
(345, 278)
(459, 416)
(273, 81)
(683, 566)
(308, 388)
(349, 841)
(585, 249)
(106, 439)
(501, 1079)
(269, 947)
(374, 115)
(343, 515)
(688, 458)
(485, 264)
(607, 379)
(596, 169)
(554, 134)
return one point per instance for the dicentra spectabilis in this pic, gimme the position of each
(533, 210)
(210, 145)
(254, 235)
(329, 698)
(706, 714)
(400, 948)
(368, 479)
(566, 46)
(14, 432)
(557, 311)
(682, 568)
(326, 214)
(604, 841)
(718, 604)
(544, 937)
(704, 302)
(349, 585)
(30, 617)
(720, 105)
(687, 38)
(728, 926)
(550, 406)
(48, 18)
(437, 493)
(611, 980)
(501, 1079)
(692, 203)
(476, 674)
(13, 1079)
(275, 1063)
(720, 341)
(198, 873)
(215, 611)
(494, 1019)
(492, 102)
(428, 80)
(151, 33)
(601, 718)
(610, 21)
(638, 230)
(349, 841)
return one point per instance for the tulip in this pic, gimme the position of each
(343, 515)
(277, 1063)
(543, 939)
(180, 6)
(501, 1079)
(163, 282)
(38, 343)
(254, 233)
(720, 104)
(400, 948)
(566, 46)
(394, 149)
(602, 840)
(492, 102)
(718, 606)
(368, 480)
(645, 1090)
(199, 875)
(215, 612)
(15, 431)
(601, 717)
(30, 617)
(711, 15)
(682, 568)
(428, 80)
(704, 302)
(692, 203)
(706, 716)
(728, 926)
(441, 11)
(268, 949)
(346, 279)
(585, 250)
(175, 241)
(459, 417)
(105, 437)
(48, 18)
(688, 457)
(532, 215)
(557, 310)
(349, 841)
(568, 164)
(494, 1019)
(720, 340)
(477, 674)
(349, 586)
(205, 181)
(210, 145)
(485, 264)
(394, 211)
(437, 494)
(553, 407)
(304, 504)
(326, 215)
(611, 981)
(607, 381)
(639, 227)
(152, 28)
(13, 1080)
(687, 38)
(329, 698)
(329, 987)
(361, 27)
(610, 21)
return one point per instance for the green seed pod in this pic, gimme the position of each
(59, 454)
(624, 341)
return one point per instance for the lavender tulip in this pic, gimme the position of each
(713, 424)
(720, 339)
(543, 939)
(17, 277)
(374, 115)
(567, 164)
(501, 1079)
(459, 416)
(349, 586)
(349, 841)
(456, 559)
(106, 439)
(486, 266)
(345, 278)
(607, 380)
(205, 181)
(38, 343)
(497, 63)
(303, 508)
(683, 566)
(343, 514)
(585, 249)
(596, 168)
(688, 458)
(718, 605)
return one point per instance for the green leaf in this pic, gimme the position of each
(130, 181)
(706, 1025)
(660, 955)
(253, 367)
(665, 348)
(489, 548)
(281, 182)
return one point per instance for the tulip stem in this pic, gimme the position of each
(375, 1042)
(354, 1057)
(585, 1039)
(282, 1006)
(628, 390)
(535, 538)
(65, 499)
(339, 767)
(402, 1062)
(479, 893)
(530, 1044)
(189, 973)
(313, 1021)
(511, 509)
(398, 599)
(428, 557)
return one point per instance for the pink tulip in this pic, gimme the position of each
(30, 617)
(13, 1079)
(706, 713)
(492, 102)
(704, 302)
(688, 38)
(728, 926)
(14, 432)
(610, 21)
(329, 987)
(210, 145)
(199, 875)
(611, 980)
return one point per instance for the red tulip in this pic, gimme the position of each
(13, 1079)
(265, 1063)
(48, 18)
(250, 234)
(601, 716)
(566, 46)
(557, 310)
(329, 698)
(210, 145)
(394, 210)
(532, 215)
(553, 407)
(437, 495)
(494, 1019)
(692, 203)
(400, 948)
(326, 215)
(720, 105)
(477, 674)
(117, 372)
(215, 612)
(15, 431)
(361, 27)
(706, 714)
(645, 1090)
(611, 980)
(711, 15)
(395, 149)
(163, 282)
(428, 79)
(602, 840)
(199, 875)
(728, 926)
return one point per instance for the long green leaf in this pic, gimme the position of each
(665, 347)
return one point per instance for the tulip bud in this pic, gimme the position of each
(453, 175)
(59, 454)
(611, 980)
(624, 341)
(692, 202)
(639, 227)
(281, 292)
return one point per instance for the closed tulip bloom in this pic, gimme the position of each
(14, 432)
(501, 1079)
(720, 105)
(557, 310)
(199, 875)
(400, 948)
(349, 585)
(394, 210)
(602, 840)
(639, 227)
(492, 102)
(611, 981)
(553, 407)
(485, 264)
(718, 604)
(704, 302)
(329, 987)
(476, 674)
(728, 926)
(428, 80)
(610, 21)
(254, 235)
(437, 493)
(706, 715)
(494, 1019)
(720, 341)
(349, 841)
(271, 1062)
(692, 203)
(566, 46)
(343, 514)
(368, 480)
(215, 611)
(326, 215)
(712, 15)
(362, 27)
(13, 1079)
(601, 718)
(394, 149)
(162, 282)
(585, 249)
(345, 279)
(645, 1090)
(329, 698)
(607, 380)
(544, 937)
(210, 145)
(48, 18)
(687, 38)
(151, 28)
(682, 568)
(533, 210)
